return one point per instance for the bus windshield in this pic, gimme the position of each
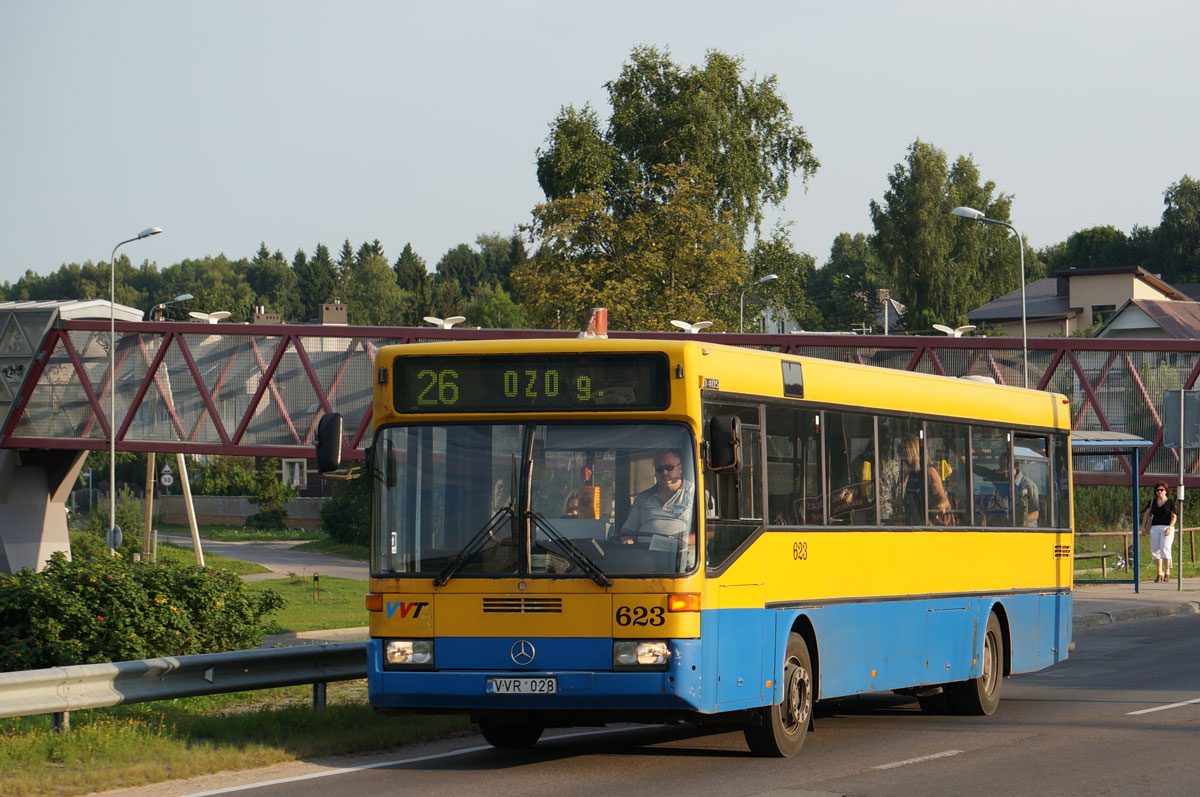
(534, 500)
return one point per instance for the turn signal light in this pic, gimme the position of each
(683, 602)
(374, 602)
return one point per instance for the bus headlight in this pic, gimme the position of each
(408, 652)
(640, 654)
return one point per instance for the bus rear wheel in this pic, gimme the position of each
(511, 735)
(980, 696)
(782, 733)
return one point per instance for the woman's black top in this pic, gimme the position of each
(1160, 515)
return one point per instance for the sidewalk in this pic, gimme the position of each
(1099, 604)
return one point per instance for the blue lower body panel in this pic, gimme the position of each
(581, 666)
(738, 661)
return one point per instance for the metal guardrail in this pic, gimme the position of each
(57, 690)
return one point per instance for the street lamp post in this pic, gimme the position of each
(742, 301)
(155, 312)
(112, 383)
(971, 213)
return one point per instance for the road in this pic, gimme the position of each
(1122, 716)
(280, 557)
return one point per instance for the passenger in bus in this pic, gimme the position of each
(891, 497)
(665, 509)
(912, 485)
(1028, 508)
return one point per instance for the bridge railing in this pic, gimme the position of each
(258, 389)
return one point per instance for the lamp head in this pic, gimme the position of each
(146, 233)
(767, 278)
(967, 213)
(183, 297)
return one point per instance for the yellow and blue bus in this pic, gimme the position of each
(574, 532)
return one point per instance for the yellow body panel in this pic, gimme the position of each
(499, 608)
(837, 565)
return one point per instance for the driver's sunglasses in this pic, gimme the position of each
(1160, 489)
(665, 468)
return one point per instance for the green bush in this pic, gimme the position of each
(1103, 508)
(346, 517)
(130, 517)
(272, 497)
(103, 608)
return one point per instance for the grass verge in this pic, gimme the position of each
(315, 605)
(150, 743)
(1090, 568)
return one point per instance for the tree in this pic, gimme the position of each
(738, 132)
(1177, 239)
(372, 296)
(270, 495)
(844, 289)
(275, 285)
(1094, 247)
(492, 307)
(647, 217)
(789, 296)
(216, 283)
(464, 265)
(937, 264)
(672, 259)
(315, 280)
(413, 278)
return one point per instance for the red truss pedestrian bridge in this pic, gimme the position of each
(259, 390)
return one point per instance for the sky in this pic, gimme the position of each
(230, 124)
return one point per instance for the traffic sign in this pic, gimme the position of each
(166, 480)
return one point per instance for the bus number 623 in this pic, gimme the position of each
(640, 615)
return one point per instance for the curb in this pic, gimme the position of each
(316, 637)
(1140, 613)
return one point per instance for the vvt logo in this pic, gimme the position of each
(406, 608)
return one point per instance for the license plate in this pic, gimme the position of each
(522, 686)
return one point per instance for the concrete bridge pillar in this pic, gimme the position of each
(35, 486)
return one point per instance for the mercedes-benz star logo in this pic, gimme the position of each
(522, 652)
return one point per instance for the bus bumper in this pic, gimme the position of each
(579, 687)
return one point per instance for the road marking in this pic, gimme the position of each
(894, 764)
(1163, 708)
(381, 764)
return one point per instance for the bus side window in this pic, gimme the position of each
(793, 468)
(850, 463)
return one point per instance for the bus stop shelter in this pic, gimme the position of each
(1118, 444)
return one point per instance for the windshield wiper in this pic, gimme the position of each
(473, 546)
(577, 556)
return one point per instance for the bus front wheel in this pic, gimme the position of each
(511, 735)
(980, 696)
(785, 724)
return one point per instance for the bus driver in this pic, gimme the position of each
(666, 508)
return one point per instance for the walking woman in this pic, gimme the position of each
(1160, 518)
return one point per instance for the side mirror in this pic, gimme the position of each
(724, 443)
(329, 442)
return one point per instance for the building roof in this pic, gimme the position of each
(1041, 302)
(68, 309)
(1179, 320)
(1048, 299)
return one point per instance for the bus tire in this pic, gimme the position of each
(782, 733)
(511, 735)
(980, 696)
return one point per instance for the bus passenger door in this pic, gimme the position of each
(741, 641)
